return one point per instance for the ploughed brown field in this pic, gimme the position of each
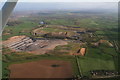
(42, 69)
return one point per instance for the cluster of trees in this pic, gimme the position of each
(13, 23)
(54, 36)
(104, 73)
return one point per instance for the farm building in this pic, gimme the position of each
(41, 22)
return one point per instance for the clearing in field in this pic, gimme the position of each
(42, 69)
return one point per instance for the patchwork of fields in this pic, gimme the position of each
(60, 61)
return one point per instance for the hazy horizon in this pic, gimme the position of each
(52, 6)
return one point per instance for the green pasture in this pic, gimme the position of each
(21, 29)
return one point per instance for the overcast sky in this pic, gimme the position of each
(64, 0)
(70, 0)
(66, 6)
(86, 4)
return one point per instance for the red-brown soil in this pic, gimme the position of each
(41, 69)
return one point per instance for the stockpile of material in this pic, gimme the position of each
(18, 43)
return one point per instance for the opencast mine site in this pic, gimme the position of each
(61, 41)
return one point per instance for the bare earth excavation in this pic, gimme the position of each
(24, 43)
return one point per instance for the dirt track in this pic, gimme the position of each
(41, 69)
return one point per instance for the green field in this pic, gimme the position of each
(96, 60)
(22, 29)
(87, 64)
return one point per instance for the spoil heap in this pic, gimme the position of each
(18, 43)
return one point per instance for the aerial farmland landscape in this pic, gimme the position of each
(75, 41)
